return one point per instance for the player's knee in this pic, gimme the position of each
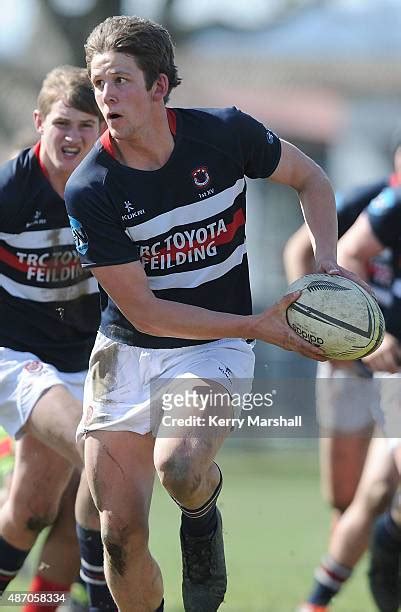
(179, 476)
(340, 503)
(120, 537)
(33, 516)
(36, 522)
(379, 496)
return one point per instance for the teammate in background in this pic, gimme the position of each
(348, 432)
(378, 228)
(158, 212)
(49, 315)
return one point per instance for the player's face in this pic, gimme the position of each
(121, 94)
(67, 135)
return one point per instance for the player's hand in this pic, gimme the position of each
(271, 326)
(332, 267)
(387, 358)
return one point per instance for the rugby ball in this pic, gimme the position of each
(336, 314)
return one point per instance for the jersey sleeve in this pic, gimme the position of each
(350, 204)
(9, 193)
(384, 214)
(99, 237)
(261, 148)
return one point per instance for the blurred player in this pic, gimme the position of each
(378, 228)
(49, 317)
(342, 399)
(158, 212)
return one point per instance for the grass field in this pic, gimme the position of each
(275, 526)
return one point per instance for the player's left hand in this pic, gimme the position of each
(332, 267)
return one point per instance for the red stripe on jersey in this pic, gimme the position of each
(225, 237)
(107, 144)
(13, 262)
(172, 121)
(36, 152)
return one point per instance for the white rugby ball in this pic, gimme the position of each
(336, 314)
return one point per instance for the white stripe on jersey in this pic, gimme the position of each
(39, 239)
(195, 278)
(188, 213)
(86, 286)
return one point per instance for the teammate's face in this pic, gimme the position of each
(121, 93)
(67, 135)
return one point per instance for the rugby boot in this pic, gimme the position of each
(204, 576)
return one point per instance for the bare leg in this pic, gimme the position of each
(38, 482)
(120, 472)
(342, 457)
(374, 494)
(59, 560)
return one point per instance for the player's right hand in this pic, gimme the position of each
(271, 326)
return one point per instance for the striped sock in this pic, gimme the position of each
(92, 572)
(329, 578)
(201, 521)
(11, 561)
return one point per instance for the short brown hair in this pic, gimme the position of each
(148, 42)
(70, 84)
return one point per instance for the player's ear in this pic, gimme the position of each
(38, 121)
(160, 87)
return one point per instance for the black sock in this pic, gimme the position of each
(161, 607)
(201, 521)
(329, 578)
(387, 534)
(11, 561)
(92, 572)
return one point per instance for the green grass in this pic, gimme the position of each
(276, 529)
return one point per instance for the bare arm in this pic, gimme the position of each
(127, 285)
(317, 201)
(358, 246)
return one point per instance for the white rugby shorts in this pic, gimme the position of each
(23, 380)
(122, 380)
(390, 404)
(346, 401)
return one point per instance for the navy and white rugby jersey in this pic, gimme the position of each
(48, 304)
(384, 214)
(185, 221)
(384, 269)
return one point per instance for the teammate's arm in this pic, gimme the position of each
(358, 245)
(127, 285)
(355, 249)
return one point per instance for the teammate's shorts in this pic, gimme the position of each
(23, 380)
(347, 399)
(390, 404)
(125, 384)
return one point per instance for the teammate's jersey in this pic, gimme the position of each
(384, 214)
(185, 222)
(350, 205)
(384, 269)
(49, 305)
